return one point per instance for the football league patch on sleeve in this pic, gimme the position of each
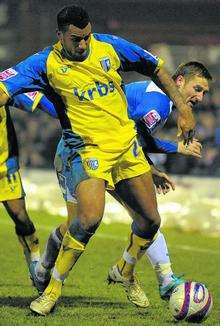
(7, 74)
(151, 119)
(32, 95)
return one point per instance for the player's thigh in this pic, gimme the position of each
(138, 193)
(82, 176)
(131, 163)
(134, 184)
(90, 195)
(116, 195)
(76, 183)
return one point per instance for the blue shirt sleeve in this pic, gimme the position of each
(46, 106)
(165, 146)
(22, 102)
(132, 56)
(26, 102)
(27, 75)
(156, 145)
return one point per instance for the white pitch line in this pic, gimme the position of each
(178, 247)
(202, 250)
(114, 237)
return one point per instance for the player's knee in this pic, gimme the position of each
(82, 232)
(24, 228)
(151, 219)
(145, 229)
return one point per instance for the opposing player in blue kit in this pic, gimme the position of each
(150, 107)
(80, 75)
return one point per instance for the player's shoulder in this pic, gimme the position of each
(139, 85)
(42, 55)
(154, 98)
(117, 42)
(153, 91)
(108, 38)
(152, 87)
(45, 52)
(147, 86)
(35, 62)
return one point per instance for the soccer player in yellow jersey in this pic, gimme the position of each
(150, 108)
(12, 194)
(80, 75)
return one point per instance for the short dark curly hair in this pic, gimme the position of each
(74, 15)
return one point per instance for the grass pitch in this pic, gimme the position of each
(87, 299)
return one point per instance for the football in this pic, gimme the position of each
(191, 301)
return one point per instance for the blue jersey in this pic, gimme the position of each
(149, 107)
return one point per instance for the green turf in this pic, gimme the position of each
(87, 299)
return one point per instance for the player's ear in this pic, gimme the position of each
(59, 34)
(180, 80)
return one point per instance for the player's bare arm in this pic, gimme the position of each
(186, 121)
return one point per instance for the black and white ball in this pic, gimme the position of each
(191, 301)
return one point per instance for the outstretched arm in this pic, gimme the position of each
(157, 145)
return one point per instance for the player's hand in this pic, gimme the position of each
(193, 148)
(186, 124)
(162, 182)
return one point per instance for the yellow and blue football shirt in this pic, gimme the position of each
(8, 141)
(88, 96)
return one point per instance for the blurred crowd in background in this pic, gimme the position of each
(173, 30)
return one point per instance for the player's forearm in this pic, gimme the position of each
(165, 146)
(157, 145)
(3, 98)
(171, 89)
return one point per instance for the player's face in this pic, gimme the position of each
(75, 42)
(193, 89)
